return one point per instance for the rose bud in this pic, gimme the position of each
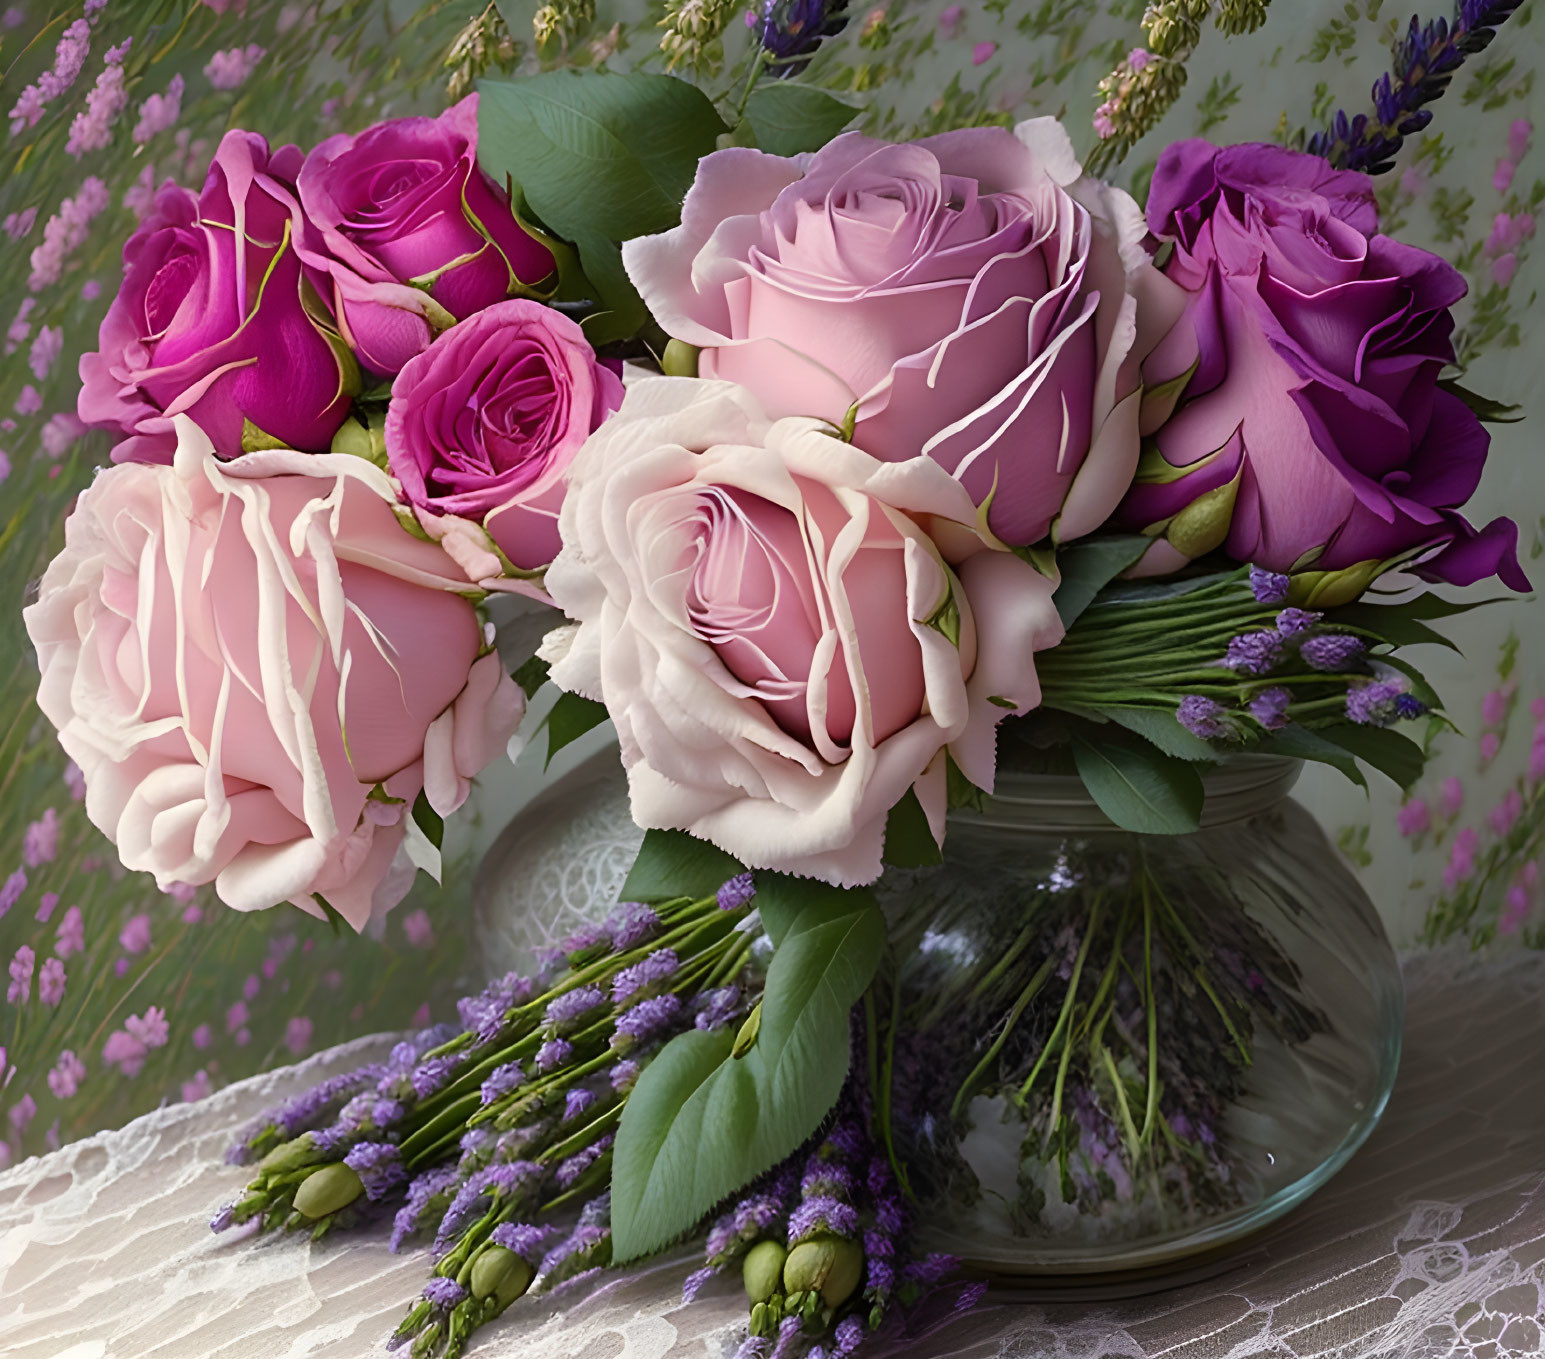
(831, 1266)
(762, 1271)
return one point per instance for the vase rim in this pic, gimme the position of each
(1236, 788)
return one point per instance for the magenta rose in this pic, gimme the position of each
(413, 233)
(972, 298)
(484, 423)
(213, 319)
(1313, 424)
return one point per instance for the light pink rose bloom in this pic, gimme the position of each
(971, 297)
(788, 633)
(245, 658)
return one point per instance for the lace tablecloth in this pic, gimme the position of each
(1432, 1242)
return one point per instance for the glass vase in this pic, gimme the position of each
(1109, 1051)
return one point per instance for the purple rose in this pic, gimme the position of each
(484, 423)
(215, 319)
(1312, 435)
(413, 233)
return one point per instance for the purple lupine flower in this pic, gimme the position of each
(575, 1251)
(228, 70)
(576, 1102)
(696, 1281)
(631, 924)
(737, 892)
(1203, 717)
(159, 112)
(642, 976)
(824, 1178)
(66, 1075)
(421, 1193)
(506, 1178)
(1292, 622)
(11, 890)
(822, 1214)
(46, 346)
(848, 1337)
(572, 1006)
(501, 1081)
(555, 1052)
(1253, 653)
(646, 1020)
(576, 1165)
(40, 841)
(1270, 706)
(51, 982)
(931, 1270)
(753, 1347)
(69, 58)
(526, 1241)
(1332, 651)
(20, 989)
(92, 128)
(1268, 587)
(717, 1008)
(379, 1167)
(70, 937)
(19, 224)
(788, 1338)
(1373, 704)
(385, 1112)
(624, 1076)
(444, 1294)
(433, 1074)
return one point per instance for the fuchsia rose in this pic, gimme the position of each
(971, 298)
(217, 318)
(258, 671)
(1313, 421)
(484, 423)
(413, 233)
(788, 633)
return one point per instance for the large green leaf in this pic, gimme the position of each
(1300, 743)
(1161, 727)
(1137, 785)
(672, 864)
(702, 1122)
(1391, 623)
(1089, 565)
(1396, 756)
(788, 118)
(909, 841)
(599, 157)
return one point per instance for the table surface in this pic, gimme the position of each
(1431, 1243)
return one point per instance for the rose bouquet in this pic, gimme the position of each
(856, 474)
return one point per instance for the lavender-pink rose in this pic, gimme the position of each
(973, 298)
(213, 319)
(1313, 435)
(484, 423)
(414, 235)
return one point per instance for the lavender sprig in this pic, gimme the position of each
(1422, 64)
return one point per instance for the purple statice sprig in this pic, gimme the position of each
(1422, 64)
(788, 32)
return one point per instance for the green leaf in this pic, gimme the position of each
(1393, 755)
(1485, 408)
(909, 841)
(1430, 605)
(429, 820)
(1089, 565)
(1390, 623)
(569, 719)
(673, 864)
(1162, 728)
(701, 1123)
(531, 676)
(1137, 785)
(961, 791)
(599, 157)
(1300, 743)
(788, 118)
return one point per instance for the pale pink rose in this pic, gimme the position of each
(972, 298)
(756, 604)
(258, 670)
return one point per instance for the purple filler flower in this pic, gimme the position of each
(574, 1005)
(444, 1293)
(1373, 704)
(645, 1020)
(526, 1241)
(1203, 717)
(737, 892)
(1268, 587)
(1332, 651)
(1269, 707)
(1254, 653)
(1291, 622)
(379, 1167)
(645, 975)
(501, 1081)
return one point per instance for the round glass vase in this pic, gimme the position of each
(1110, 1051)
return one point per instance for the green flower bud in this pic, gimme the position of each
(763, 1270)
(758, 1324)
(829, 1265)
(327, 1190)
(1331, 589)
(501, 1274)
(1204, 523)
(679, 359)
(288, 1156)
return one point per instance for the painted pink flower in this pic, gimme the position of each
(1413, 817)
(972, 298)
(236, 1016)
(22, 1113)
(983, 52)
(151, 1028)
(203, 1036)
(231, 69)
(197, 1088)
(20, 989)
(66, 1075)
(753, 603)
(1451, 796)
(40, 842)
(125, 1052)
(297, 1034)
(203, 761)
(51, 981)
(417, 929)
(1490, 744)
(1504, 816)
(1494, 707)
(135, 935)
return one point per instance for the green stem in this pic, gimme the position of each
(1152, 1105)
(1034, 985)
(1064, 1016)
